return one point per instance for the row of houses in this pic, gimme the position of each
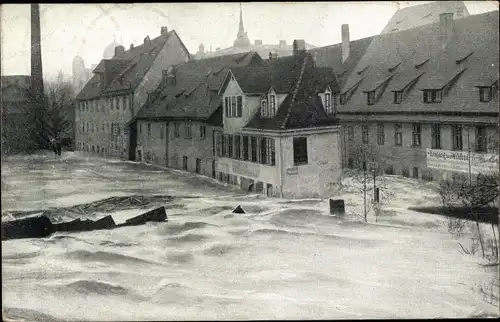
(288, 126)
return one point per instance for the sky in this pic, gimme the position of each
(68, 30)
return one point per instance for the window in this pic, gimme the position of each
(230, 146)
(264, 110)
(103, 127)
(226, 106)
(485, 94)
(253, 148)
(203, 131)
(398, 97)
(300, 151)
(162, 131)
(364, 133)
(370, 96)
(233, 106)
(270, 153)
(185, 163)
(245, 148)
(263, 150)
(187, 129)
(219, 144)
(436, 136)
(198, 165)
(140, 128)
(380, 134)
(272, 105)
(224, 147)
(177, 131)
(415, 172)
(328, 103)
(124, 102)
(456, 136)
(239, 106)
(481, 141)
(117, 103)
(398, 135)
(149, 130)
(417, 135)
(237, 147)
(433, 96)
(350, 133)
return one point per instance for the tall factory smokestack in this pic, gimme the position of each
(36, 52)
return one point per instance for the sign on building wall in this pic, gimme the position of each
(458, 161)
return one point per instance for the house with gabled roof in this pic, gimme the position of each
(176, 125)
(117, 90)
(280, 136)
(434, 87)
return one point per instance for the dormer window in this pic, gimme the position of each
(370, 96)
(433, 96)
(485, 94)
(272, 105)
(328, 103)
(233, 106)
(264, 111)
(398, 97)
(343, 98)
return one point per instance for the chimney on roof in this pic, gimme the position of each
(147, 40)
(299, 46)
(258, 42)
(446, 26)
(346, 44)
(119, 50)
(164, 31)
(273, 55)
(131, 46)
(282, 43)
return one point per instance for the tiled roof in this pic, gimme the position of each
(130, 67)
(477, 34)
(331, 56)
(195, 93)
(423, 14)
(305, 109)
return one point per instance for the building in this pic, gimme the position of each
(176, 126)
(119, 88)
(424, 14)
(430, 87)
(81, 74)
(17, 117)
(280, 136)
(242, 44)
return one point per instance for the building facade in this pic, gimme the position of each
(280, 136)
(176, 126)
(118, 89)
(432, 87)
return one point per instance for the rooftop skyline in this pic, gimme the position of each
(86, 29)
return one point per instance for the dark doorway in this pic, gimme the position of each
(213, 169)
(185, 163)
(198, 165)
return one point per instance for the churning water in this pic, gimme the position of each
(281, 260)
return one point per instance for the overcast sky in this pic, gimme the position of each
(86, 29)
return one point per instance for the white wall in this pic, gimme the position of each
(251, 105)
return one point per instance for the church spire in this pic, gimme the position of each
(242, 38)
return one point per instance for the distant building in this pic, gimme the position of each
(280, 136)
(117, 90)
(18, 125)
(176, 127)
(242, 44)
(430, 87)
(424, 14)
(81, 74)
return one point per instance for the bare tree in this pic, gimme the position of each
(52, 113)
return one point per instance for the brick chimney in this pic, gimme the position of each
(119, 50)
(446, 27)
(131, 46)
(299, 46)
(147, 40)
(164, 31)
(273, 55)
(258, 42)
(346, 44)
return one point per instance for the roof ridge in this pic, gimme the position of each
(295, 90)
